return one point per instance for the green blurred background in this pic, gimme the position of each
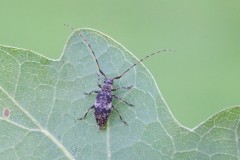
(197, 81)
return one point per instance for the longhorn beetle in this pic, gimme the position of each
(103, 104)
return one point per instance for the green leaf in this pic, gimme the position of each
(45, 98)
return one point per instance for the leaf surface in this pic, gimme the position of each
(45, 98)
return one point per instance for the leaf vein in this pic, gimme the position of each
(44, 131)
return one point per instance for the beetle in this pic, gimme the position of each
(103, 103)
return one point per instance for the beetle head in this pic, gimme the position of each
(108, 81)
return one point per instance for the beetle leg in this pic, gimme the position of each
(122, 100)
(86, 113)
(119, 115)
(99, 80)
(95, 91)
(125, 88)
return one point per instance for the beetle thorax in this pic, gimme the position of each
(107, 84)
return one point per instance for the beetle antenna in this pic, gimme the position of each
(161, 51)
(90, 48)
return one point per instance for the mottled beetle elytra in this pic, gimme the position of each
(103, 103)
